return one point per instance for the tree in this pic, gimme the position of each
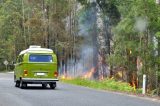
(135, 32)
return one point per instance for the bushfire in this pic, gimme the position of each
(89, 74)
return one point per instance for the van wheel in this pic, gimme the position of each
(23, 85)
(14, 78)
(52, 85)
(44, 85)
(17, 84)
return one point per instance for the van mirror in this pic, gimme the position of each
(12, 66)
(13, 62)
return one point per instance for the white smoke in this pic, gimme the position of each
(141, 24)
(83, 64)
(91, 1)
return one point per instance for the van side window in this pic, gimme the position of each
(20, 59)
(17, 60)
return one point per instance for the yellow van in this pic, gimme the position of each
(36, 65)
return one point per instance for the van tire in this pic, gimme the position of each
(17, 84)
(44, 85)
(14, 78)
(52, 85)
(23, 85)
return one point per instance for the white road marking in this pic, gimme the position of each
(2, 79)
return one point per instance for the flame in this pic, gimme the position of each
(64, 77)
(101, 77)
(89, 74)
(134, 82)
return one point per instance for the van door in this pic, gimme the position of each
(19, 67)
(42, 65)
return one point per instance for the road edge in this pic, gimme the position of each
(144, 97)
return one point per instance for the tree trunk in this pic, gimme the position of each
(94, 39)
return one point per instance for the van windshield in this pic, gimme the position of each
(40, 58)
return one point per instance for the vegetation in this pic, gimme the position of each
(107, 84)
(35, 22)
(116, 38)
(135, 40)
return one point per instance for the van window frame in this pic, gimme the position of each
(20, 58)
(40, 54)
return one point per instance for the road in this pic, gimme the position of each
(63, 95)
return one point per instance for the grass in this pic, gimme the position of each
(107, 84)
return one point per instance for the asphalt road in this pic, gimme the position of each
(63, 95)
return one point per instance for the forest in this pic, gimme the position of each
(93, 39)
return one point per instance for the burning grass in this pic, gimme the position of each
(106, 84)
(89, 74)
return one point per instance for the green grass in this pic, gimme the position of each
(107, 84)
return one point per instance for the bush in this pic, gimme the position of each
(107, 84)
(2, 67)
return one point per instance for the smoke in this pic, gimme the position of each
(83, 29)
(91, 28)
(83, 64)
(86, 21)
(84, 51)
(87, 58)
(141, 24)
(92, 1)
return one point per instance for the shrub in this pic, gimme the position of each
(107, 84)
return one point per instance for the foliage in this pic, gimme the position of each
(136, 36)
(131, 30)
(10, 19)
(107, 84)
(33, 22)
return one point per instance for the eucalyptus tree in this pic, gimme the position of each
(107, 15)
(136, 34)
(11, 27)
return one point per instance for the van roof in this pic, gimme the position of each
(36, 50)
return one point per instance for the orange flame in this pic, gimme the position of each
(89, 74)
(134, 81)
(101, 77)
(63, 77)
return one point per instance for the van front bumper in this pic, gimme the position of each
(38, 80)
